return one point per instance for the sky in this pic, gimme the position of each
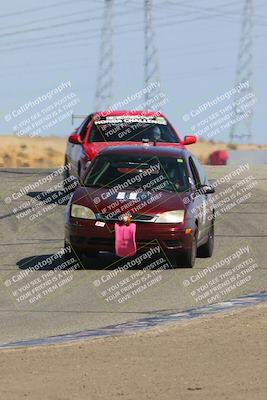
(45, 44)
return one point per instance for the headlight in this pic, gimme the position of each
(171, 217)
(78, 211)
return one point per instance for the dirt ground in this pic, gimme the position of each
(217, 358)
(48, 152)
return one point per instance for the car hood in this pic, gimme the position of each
(105, 202)
(92, 149)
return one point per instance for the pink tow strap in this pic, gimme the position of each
(125, 244)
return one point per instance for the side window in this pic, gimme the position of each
(194, 173)
(201, 172)
(83, 127)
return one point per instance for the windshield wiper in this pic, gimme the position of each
(96, 185)
(166, 190)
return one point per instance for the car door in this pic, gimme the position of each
(200, 199)
(207, 206)
(75, 151)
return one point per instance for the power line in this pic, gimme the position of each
(49, 19)
(77, 21)
(76, 33)
(44, 28)
(170, 22)
(216, 11)
(37, 9)
(49, 27)
(93, 18)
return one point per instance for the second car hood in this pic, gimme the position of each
(92, 149)
(102, 201)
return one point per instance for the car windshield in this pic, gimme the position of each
(132, 129)
(126, 171)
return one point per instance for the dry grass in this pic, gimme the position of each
(38, 152)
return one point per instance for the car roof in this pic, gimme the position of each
(129, 112)
(151, 150)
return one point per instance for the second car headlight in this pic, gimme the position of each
(171, 217)
(78, 211)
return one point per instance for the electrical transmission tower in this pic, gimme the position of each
(104, 87)
(151, 59)
(242, 129)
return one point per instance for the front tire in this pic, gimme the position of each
(70, 253)
(66, 173)
(91, 254)
(189, 256)
(206, 250)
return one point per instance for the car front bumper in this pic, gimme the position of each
(85, 236)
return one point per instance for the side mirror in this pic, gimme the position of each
(207, 189)
(75, 139)
(189, 140)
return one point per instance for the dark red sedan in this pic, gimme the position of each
(105, 128)
(162, 190)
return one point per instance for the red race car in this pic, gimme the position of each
(218, 157)
(161, 189)
(103, 129)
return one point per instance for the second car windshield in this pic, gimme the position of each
(139, 172)
(135, 129)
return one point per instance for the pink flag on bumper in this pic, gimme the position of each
(125, 244)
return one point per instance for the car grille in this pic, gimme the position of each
(173, 243)
(144, 217)
(135, 218)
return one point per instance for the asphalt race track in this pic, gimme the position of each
(80, 300)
